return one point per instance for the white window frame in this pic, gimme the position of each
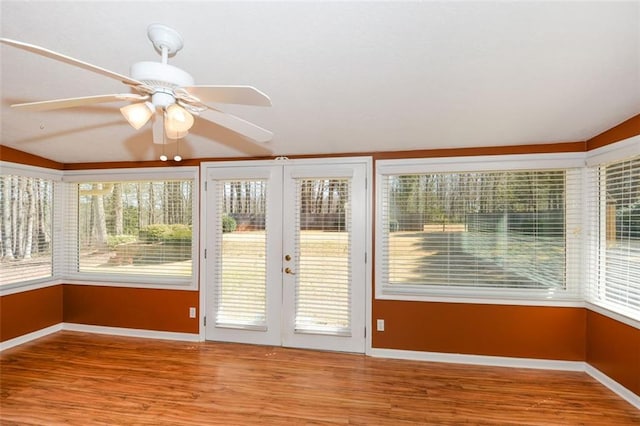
(72, 178)
(16, 169)
(571, 296)
(594, 289)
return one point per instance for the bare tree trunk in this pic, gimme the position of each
(118, 209)
(31, 212)
(20, 219)
(237, 204)
(185, 198)
(139, 210)
(6, 219)
(330, 196)
(152, 206)
(99, 220)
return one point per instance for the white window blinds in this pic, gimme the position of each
(615, 277)
(134, 229)
(494, 230)
(26, 234)
(240, 254)
(323, 237)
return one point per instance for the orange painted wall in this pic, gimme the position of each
(29, 311)
(478, 329)
(614, 349)
(624, 130)
(20, 157)
(140, 308)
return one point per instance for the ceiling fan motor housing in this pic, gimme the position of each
(162, 78)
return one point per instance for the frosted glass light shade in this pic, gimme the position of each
(178, 120)
(138, 114)
(172, 134)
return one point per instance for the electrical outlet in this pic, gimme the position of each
(380, 325)
(192, 312)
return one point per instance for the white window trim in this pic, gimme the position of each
(17, 169)
(137, 281)
(571, 297)
(8, 168)
(618, 151)
(481, 163)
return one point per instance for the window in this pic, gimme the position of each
(26, 231)
(615, 282)
(482, 231)
(133, 230)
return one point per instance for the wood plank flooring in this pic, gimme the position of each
(89, 379)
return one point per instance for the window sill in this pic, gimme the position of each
(566, 300)
(609, 313)
(29, 285)
(139, 282)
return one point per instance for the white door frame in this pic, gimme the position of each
(206, 166)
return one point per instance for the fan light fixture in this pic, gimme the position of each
(138, 114)
(178, 121)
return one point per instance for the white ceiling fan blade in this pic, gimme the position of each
(242, 95)
(237, 125)
(158, 127)
(69, 60)
(77, 102)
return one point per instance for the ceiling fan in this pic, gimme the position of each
(162, 92)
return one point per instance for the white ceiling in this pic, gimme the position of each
(342, 76)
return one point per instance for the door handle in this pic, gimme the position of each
(289, 271)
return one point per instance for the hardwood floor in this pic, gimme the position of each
(85, 379)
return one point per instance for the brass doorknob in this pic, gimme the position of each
(287, 257)
(288, 271)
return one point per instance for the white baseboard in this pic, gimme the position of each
(614, 386)
(493, 361)
(7, 344)
(132, 332)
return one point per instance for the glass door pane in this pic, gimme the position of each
(241, 266)
(323, 249)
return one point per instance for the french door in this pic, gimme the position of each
(286, 245)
